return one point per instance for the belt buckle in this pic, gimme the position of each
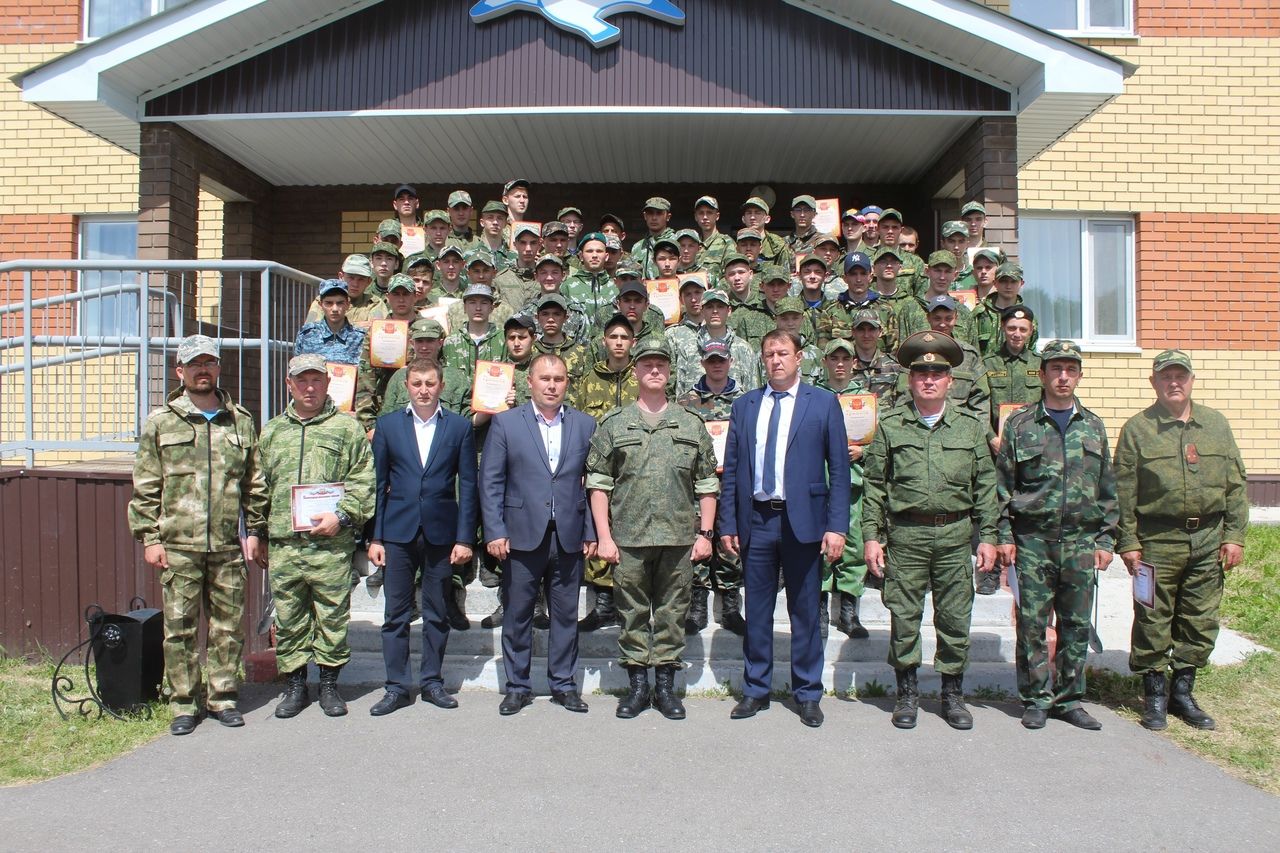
(939, 519)
(776, 503)
(1193, 523)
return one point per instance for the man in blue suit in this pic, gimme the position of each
(784, 500)
(426, 505)
(536, 522)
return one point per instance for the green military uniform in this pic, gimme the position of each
(913, 316)
(577, 355)
(713, 252)
(596, 291)
(836, 319)
(880, 376)
(516, 288)
(1057, 492)
(642, 251)
(988, 327)
(1013, 380)
(687, 363)
(192, 478)
(462, 351)
(847, 575)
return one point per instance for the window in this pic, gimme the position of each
(104, 239)
(104, 17)
(1079, 274)
(1085, 17)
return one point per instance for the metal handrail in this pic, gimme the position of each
(47, 265)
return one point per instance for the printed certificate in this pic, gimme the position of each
(827, 220)
(967, 298)
(1144, 585)
(413, 239)
(493, 383)
(388, 343)
(306, 501)
(439, 311)
(664, 294)
(1006, 409)
(342, 384)
(859, 412)
(719, 432)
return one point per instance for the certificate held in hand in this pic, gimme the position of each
(719, 432)
(388, 343)
(342, 384)
(664, 294)
(305, 502)
(493, 383)
(859, 412)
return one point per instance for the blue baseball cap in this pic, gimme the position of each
(857, 259)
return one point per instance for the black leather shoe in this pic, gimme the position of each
(229, 717)
(513, 702)
(389, 703)
(374, 581)
(1078, 717)
(183, 724)
(1033, 718)
(811, 714)
(988, 583)
(748, 707)
(493, 620)
(436, 696)
(570, 701)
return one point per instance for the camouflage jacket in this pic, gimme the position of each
(988, 332)
(328, 448)
(880, 376)
(642, 251)
(710, 405)
(602, 390)
(773, 250)
(1056, 486)
(577, 354)
(516, 288)
(714, 248)
(836, 319)
(192, 477)
(1012, 379)
(686, 365)
(462, 351)
(366, 306)
(755, 319)
(591, 290)
(912, 318)
(343, 346)
(745, 370)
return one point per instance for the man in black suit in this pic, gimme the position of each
(535, 521)
(426, 506)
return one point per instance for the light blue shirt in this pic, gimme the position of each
(788, 403)
(550, 431)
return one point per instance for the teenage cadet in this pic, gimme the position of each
(555, 239)
(385, 260)
(591, 285)
(909, 241)
(515, 285)
(493, 225)
(974, 216)
(481, 270)
(477, 339)
(913, 314)
(388, 232)
(895, 293)
(572, 219)
(371, 382)
(802, 239)
(461, 234)
(449, 280)
(683, 336)
(1013, 372)
(405, 204)
(986, 320)
(657, 219)
(911, 275)
(773, 249)
(790, 318)
(515, 195)
(738, 279)
(853, 226)
(836, 318)
(690, 249)
(873, 368)
(435, 223)
(715, 245)
(333, 337)
(364, 304)
(716, 314)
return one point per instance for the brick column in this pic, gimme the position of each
(168, 194)
(988, 155)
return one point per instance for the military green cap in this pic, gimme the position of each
(400, 281)
(555, 226)
(696, 279)
(417, 259)
(748, 234)
(1061, 349)
(707, 201)
(890, 213)
(669, 242)
(493, 207)
(481, 256)
(887, 252)
(814, 259)
(423, 328)
(612, 243)
(756, 201)
(973, 207)
(789, 305)
(657, 203)
(952, 227)
(459, 197)
(1009, 269)
(826, 238)
(687, 232)
(549, 259)
(628, 269)
(562, 211)
(595, 236)
(357, 265)
(527, 228)
(734, 257)
(837, 344)
(389, 227)
(930, 351)
(1171, 358)
(451, 249)
(867, 317)
(994, 255)
(652, 345)
(434, 215)
(552, 299)
(196, 345)
(943, 257)
(483, 290)
(773, 272)
(300, 364)
(805, 201)
(715, 296)
(387, 248)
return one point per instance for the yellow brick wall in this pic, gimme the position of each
(208, 248)
(1196, 130)
(358, 228)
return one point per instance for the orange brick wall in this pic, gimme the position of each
(1207, 18)
(56, 21)
(37, 236)
(1208, 281)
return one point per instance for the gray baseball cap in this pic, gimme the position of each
(196, 345)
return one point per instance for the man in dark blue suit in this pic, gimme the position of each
(536, 522)
(426, 505)
(784, 500)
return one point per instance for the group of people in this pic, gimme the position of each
(687, 417)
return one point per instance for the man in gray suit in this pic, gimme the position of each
(536, 522)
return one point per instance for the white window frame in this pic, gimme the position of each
(1089, 339)
(1084, 28)
(157, 6)
(82, 227)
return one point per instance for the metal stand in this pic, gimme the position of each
(92, 705)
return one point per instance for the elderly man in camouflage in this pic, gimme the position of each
(312, 444)
(1183, 510)
(1057, 529)
(194, 475)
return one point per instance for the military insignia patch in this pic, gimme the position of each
(928, 337)
(929, 357)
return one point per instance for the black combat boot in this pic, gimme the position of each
(637, 699)
(664, 693)
(494, 619)
(1154, 701)
(295, 694)
(824, 614)
(988, 583)
(731, 612)
(848, 621)
(953, 709)
(330, 700)
(696, 620)
(541, 620)
(1183, 705)
(603, 614)
(458, 620)
(907, 707)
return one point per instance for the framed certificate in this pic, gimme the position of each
(515, 226)
(388, 343)
(719, 432)
(967, 298)
(493, 382)
(308, 501)
(342, 384)
(1006, 409)
(1144, 585)
(859, 412)
(827, 219)
(664, 294)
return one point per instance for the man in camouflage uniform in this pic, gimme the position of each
(333, 337)
(757, 318)
(895, 294)
(987, 329)
(493, 227)
(371, 382)
(461, 233)
(911, 275)
(1057, 529)
(449, 282)
(929, 480)
(1013, 372)
(715, 245)
(311, 443)
(1181, 484)
(385, 260)
(738, 279)
(873, 369)
(682, 337)
(711, 399)
(479, 339)
(969, 387)
(835, 319)
(480, 271)
(803, 238)
(657, 219)
(773, 249)
(591, 285)
(195, 473)
(913, 315)
(517, 285)
(651, 469)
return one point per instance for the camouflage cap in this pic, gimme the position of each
(707, 201)
(400, 281)
(942, 300)
(196, 345)
(389, 227)
(657, 203)
(612, 243)
(417, 259)
(1062, 349)
(560, 214)
(628, 269)
(478, 290)
(385, 248)
(867, 317)
(973, 207)
(772, 272)
(942, 258)
(404, 188)
(805, 201)
(590, 236)
(694, 278)
(520, 321)
(887, 252)
(650, 346)
(667, 242)
(423, 328)
(734, 258)
(715, 296)
(633, 285)
(824, 239)
(480, 256)
(953, 227)
(548, 300)
(748, 234)
(527, 228)
(857, 259)
(714, 349)
(890, 213)
(451, 249)
(1171, 358)
(555, 226)
(994, 255)
(837, 344)
(1017, 312)
(549, 258)
(512, 184)
(789, 305)
(689, 233)
(357, 265)
(459, 197)
(612, 218)
(756, 201)
(814, 259)
(930, 351)
(435, 215)
(493, 207)
(300, 364)
(332, 285)
(1009, 269)
(617, 320)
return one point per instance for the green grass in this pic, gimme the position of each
(36, 743)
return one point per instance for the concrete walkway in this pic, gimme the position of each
(551, 780)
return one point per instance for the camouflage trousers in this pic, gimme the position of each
(1055, 579)
(849, 572)
(722, 571)
(919, 559)
(651, 590)
(311, 585)
(1181, 630)
(214, 581)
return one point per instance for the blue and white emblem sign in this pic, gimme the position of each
(583, 17)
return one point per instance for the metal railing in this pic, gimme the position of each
(93, 343)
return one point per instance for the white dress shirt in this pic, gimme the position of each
(425, 431)
(550, 430)
(788, 404)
